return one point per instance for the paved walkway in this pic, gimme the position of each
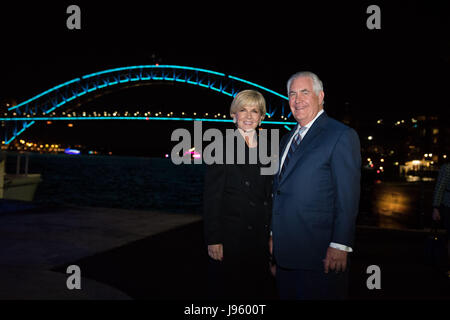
(405, 271)
(127, 254)
(35, 239)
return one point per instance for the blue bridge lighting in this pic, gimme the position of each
(48, 101)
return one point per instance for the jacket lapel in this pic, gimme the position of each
(281, 152)
(286, 141)
(308, 141)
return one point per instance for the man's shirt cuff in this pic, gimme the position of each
(340, 247)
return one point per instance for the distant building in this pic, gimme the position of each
(414, 145)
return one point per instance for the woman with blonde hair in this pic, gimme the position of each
(237, 211)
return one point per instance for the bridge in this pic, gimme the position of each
(44, 105)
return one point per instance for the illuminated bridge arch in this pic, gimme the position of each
(48, 101)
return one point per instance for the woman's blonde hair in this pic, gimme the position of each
(249, 98)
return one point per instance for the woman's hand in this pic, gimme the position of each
(215, 251)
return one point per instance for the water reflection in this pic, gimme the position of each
(152, 183)
(396, 204)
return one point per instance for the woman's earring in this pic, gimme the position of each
(234, 120)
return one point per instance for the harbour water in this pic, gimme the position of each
(156, 183)
(116, 182)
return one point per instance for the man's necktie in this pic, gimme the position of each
(247, 141)
(294, 145)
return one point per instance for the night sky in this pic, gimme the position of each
(397, 71)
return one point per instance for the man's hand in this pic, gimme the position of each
(215, 251)
(436, 215)
(335, 260)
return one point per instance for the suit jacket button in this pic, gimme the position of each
(250, 227)
(265, 203)
(252, 204)
(247, 183)
(271, 195)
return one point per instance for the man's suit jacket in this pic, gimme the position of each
(316, 201)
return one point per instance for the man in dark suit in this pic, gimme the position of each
(315, 198)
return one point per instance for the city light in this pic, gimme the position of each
(105, 115)
(71, 151)
(30, 146)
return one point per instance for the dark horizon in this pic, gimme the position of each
(397, 72)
